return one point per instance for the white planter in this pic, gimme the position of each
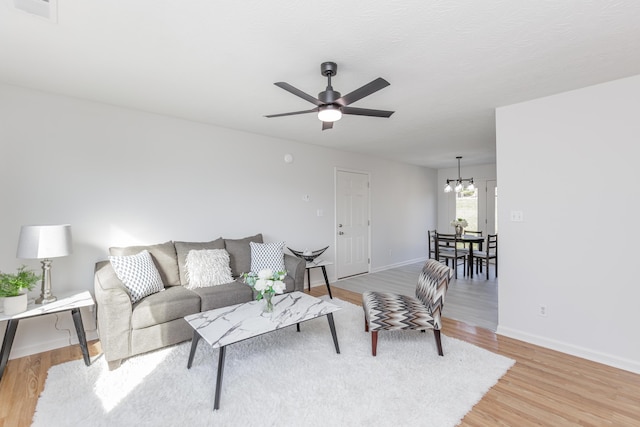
(15, 305)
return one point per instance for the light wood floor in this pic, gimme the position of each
(544, 387)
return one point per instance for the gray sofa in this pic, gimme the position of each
(127, 329)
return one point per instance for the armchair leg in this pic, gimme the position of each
(374, 342)
(366, 325)
(436, 333)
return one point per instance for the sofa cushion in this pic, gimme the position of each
(138, 274)
(207, 267)
(164, 256)
(267, 255)
(240, 253)
(224, 295)
(172, 303)
(183, 248)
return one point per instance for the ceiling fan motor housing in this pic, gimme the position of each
(329, 96)
(328, 69)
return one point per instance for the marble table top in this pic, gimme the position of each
(65, 301)
(228, 325)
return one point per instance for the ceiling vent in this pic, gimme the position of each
(47, 9)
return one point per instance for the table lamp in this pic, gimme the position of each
(44, 242)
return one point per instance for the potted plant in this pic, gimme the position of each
(14, 287)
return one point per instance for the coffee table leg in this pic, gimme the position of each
(216, 402)
(194, 345)
(82, 338)
(332, 326)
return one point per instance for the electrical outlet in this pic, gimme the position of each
(517, 216)
(543, 311)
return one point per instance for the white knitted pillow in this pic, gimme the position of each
(207, 267)
(138, 274)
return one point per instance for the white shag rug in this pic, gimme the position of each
(283, 378)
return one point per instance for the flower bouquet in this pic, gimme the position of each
(459, 224)
(266, 283)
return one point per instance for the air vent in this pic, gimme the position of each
(47, 9)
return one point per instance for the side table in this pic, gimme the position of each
(66, 302)
(322, 264)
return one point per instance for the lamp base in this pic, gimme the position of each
(46, 299)
(45, 294)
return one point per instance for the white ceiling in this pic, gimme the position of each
(450, 63)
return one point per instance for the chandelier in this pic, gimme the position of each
(459, 182)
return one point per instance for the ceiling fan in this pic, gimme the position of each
(330, 106)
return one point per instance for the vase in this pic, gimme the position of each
(268, 308)
(459, 230)
(15, 305)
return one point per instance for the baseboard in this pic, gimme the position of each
(585, 353)
(17, 352)
(399, 264)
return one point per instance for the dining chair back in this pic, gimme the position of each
(431, 236)
(483, 257)
(473, 233)
(448, 248)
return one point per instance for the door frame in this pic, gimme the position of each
(337, 169)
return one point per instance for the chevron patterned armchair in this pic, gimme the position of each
(387, 311)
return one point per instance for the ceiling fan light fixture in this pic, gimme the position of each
(329, 113)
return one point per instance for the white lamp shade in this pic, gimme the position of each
(44, 241)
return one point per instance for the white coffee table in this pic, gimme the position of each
(229, 325)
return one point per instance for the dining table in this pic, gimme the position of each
(472, 239)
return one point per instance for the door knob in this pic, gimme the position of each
(340, 233)
(339, 225)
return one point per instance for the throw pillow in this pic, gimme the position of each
(163, 255)
(267, 255)
(207, 267)
(138, 273)
(183, 248)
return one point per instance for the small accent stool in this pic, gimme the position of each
(387, 311)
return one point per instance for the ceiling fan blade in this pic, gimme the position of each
(365, 90)
(298, 92)
(366, 112)
(292, 113)
(327, 125)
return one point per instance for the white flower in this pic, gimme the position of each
(459, 221)
(278, 286)
(261, 285)
(266, 282)
(265, 274)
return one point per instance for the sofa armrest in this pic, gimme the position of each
(114, 312)
(295, 268)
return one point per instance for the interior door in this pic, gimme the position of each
(352, 223)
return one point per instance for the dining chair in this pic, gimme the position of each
(432, 243)
(448, 248)
(482, 258)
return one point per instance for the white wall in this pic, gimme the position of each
(122, 177)
(569, 162)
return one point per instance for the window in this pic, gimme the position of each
(467, 207)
